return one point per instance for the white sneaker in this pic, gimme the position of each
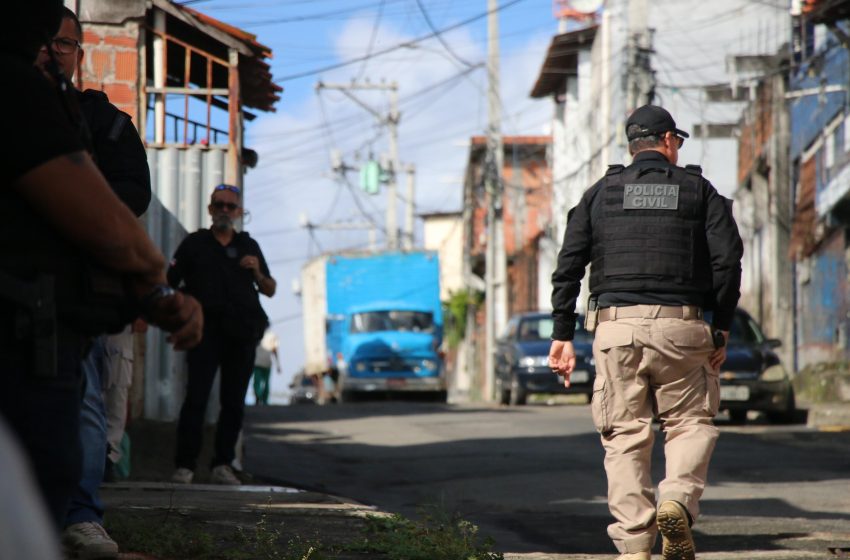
(223, 474)
(89, 541)
(182, 476)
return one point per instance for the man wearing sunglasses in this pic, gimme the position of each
(225, 270)
(664, 247)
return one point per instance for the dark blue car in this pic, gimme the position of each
(753, 377)
(522, 360)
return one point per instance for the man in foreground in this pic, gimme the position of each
(664, 247)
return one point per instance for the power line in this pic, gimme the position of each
(321, 15)
(396, 47)
(375, 26)
(439, 35)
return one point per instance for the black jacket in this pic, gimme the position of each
(722, 243)
(118, 150)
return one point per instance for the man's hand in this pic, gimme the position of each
(716, 359)
(182, 316)
(252, 263)
(562, 359)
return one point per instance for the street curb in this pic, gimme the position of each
(829, 416)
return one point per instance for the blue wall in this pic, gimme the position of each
(808, 116)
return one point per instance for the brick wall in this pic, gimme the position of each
(111, 64)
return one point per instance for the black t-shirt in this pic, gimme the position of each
(210, 271)
(35, 118)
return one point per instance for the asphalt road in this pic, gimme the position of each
(531, 477)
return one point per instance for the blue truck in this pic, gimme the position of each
(375, 320)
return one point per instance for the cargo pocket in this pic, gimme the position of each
(712, 390)
(600, 405)
(693, 335)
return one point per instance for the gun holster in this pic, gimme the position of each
(34, 319)
(592, 315)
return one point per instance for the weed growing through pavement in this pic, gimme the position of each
(434, 535)
(437, 535)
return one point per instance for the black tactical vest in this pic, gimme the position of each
(649, 234)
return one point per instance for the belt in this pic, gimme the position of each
(687, 312)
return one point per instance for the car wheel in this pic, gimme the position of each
(504, 395)
(738, 416)
(785, 416)
(518, 395)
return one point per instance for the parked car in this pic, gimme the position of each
(522, 360)
(753, 377)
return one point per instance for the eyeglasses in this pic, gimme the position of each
(679, 140)
(63, 45)
(221, 205)
(230, 188)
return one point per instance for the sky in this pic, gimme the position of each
(443, 102)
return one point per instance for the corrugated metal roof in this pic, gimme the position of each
(562, 60)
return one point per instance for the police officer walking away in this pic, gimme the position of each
(663, 247)
(226, 271)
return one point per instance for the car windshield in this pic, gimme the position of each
(374, 321)
(540, 328)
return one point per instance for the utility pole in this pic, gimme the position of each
(496, 302)
(407, 242)
(641, 76)
(391, 121)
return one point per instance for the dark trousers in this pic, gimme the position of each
(44, 415)
(235, 357)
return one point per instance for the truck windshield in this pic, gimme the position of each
(411, 321)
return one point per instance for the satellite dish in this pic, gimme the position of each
(585, 6)
(579, 9)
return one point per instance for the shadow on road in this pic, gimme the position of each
(531, 493)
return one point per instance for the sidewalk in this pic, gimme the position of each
(828, 416)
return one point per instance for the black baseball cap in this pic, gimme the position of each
(652, 119)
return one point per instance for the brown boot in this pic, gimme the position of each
(678, 543)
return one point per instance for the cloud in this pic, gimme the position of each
(440, 110)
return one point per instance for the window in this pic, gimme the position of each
(536, 329)
(409, 321)
(745, 331)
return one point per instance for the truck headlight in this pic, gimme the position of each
(360, 366)
(774, 373)
(429, 364)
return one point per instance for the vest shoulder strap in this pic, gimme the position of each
(614, 169)
(694, 169)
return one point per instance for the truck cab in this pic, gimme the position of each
(387, 346)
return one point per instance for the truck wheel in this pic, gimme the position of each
(440, 396)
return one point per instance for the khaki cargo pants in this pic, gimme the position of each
(650, 366)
